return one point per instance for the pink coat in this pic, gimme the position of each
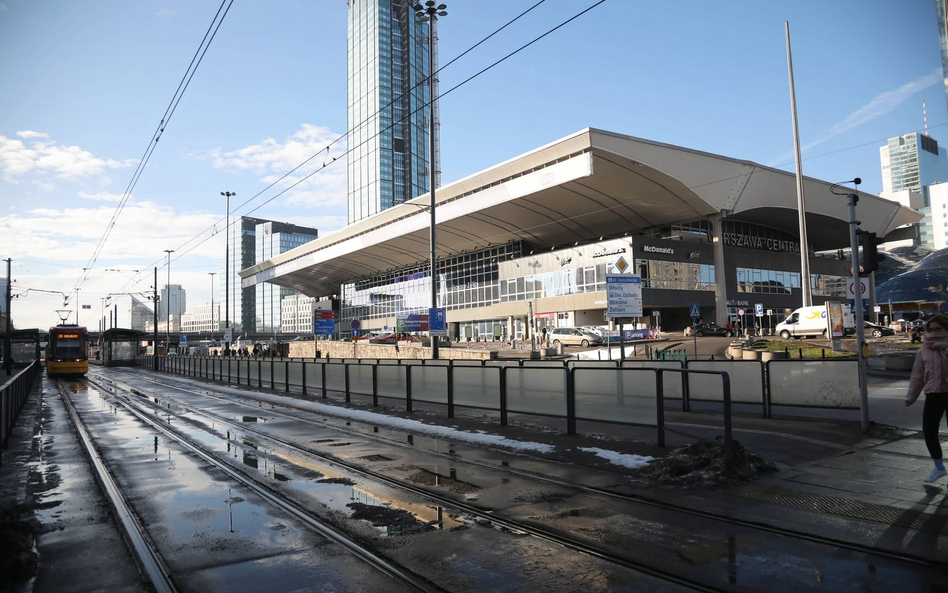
(929, 371)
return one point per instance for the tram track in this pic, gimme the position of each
(552, 481)
(514, 524)
(146, 552)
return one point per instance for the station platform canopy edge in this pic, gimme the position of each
(580, 189)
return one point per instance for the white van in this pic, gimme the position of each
(810, 322)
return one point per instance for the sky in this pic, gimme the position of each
(86, 83)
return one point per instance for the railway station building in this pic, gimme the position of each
(538, 233)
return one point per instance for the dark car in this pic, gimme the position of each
(708, 329)
(877, 331)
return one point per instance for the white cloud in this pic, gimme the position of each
(32, 134)
(166, 13)
(40, 155)
(880, 105)
(101, 196)
(44, 186)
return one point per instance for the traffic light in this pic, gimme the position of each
(870, 256)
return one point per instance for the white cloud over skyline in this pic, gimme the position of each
(37, 154)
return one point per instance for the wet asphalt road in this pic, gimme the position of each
(445, 546)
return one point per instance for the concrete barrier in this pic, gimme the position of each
(768, 355)
(750, 355)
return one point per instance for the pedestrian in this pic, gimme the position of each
(930, 374)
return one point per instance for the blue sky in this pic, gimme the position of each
(86, 82)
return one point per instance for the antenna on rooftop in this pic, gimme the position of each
(925, 117)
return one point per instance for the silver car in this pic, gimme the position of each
(571, 336)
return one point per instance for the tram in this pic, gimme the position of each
(66, 352)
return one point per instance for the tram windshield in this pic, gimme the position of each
(68, 348)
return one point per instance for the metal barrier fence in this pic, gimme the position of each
(13, 395)
(632, 394)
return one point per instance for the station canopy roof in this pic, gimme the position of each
(576, 190)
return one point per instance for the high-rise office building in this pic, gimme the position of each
(141, 315)
(388, 106)
(241, 247)
(173, 301)
(272, 239)
(914, 162)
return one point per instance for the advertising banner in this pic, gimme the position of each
(415, 322)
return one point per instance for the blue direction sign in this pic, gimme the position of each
(323, 323)
(437, 321)
(695, 310)
(759, 309)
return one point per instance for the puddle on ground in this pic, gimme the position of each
(450, 482)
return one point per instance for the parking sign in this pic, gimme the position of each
(759, 309)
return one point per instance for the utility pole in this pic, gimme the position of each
(212, 274)
(227, 195)
(168, 305)
(155, 337)
(805, 287)
(8, 338)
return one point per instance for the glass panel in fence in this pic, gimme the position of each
(605, 364)
(477, 386)
(391, 381)
(747, 381)
(388, 361)
(439, 361)
(537, 391)
(264, 372)
(544, 363)
(618, 395)
(354, 360)
(336, 377)
(466, 363)
(814, 383)
(672, 381)
(296, 374)
(244, 370)
(429, 384)
(230, 369)
(502, 363)
(279, 374)
(360, 378)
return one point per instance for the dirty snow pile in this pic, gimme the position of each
(702, 464)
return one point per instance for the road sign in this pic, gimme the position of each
(740, 312)
(877, 309)
(623, 295)
(850, 288)
(759, 309)
(621, 265)
(355, 324)
(324, 322)
(228, 335)
(437, 321)
(770, 312)
(695, 309)
(183, 340)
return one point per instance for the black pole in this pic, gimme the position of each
(155, 351)
(7, 338)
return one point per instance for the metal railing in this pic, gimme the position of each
(13, 394)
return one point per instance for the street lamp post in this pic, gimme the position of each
(430, 12)
(212, 274)
(168, 304)
(227, 195)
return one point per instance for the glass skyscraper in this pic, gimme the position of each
(940, 6)
(388, 106)
(271, 239)
(914, 162)
(242, 301)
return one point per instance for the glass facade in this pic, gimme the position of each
(242, 300)
(781, 282)
(387, 113)
(943, 40)
(270, 240)
(173, 300)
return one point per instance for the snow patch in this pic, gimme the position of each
(625, 460)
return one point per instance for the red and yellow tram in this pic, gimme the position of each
(67, 352)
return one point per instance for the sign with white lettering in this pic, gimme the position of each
(623, 295)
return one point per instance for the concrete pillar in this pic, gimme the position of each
(720, 279)
(510, 327)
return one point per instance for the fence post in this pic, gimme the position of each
(660, 401)
(767, 412)
(503, 395)
(323, 376)
(570, 402)
(685, 390)
(238, 372)
(408, 388)
(259, 374)
(450, 372)
(375, 385)
(303, 374)
(286, 375)
(345, 366)
(272, 379)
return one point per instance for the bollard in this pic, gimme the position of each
(801, 353)
(823, 353)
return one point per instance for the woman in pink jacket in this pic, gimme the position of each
(931, 373)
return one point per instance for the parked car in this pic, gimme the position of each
(877, 331)
(573, 336)
(708, 329)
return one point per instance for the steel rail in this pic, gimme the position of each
(287, 506)
(511, 524)
(636, 498)
(149, 559)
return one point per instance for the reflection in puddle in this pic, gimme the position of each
(250, 419)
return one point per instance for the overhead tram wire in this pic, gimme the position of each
(329, 146)
(392, 125)
(196, 60)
